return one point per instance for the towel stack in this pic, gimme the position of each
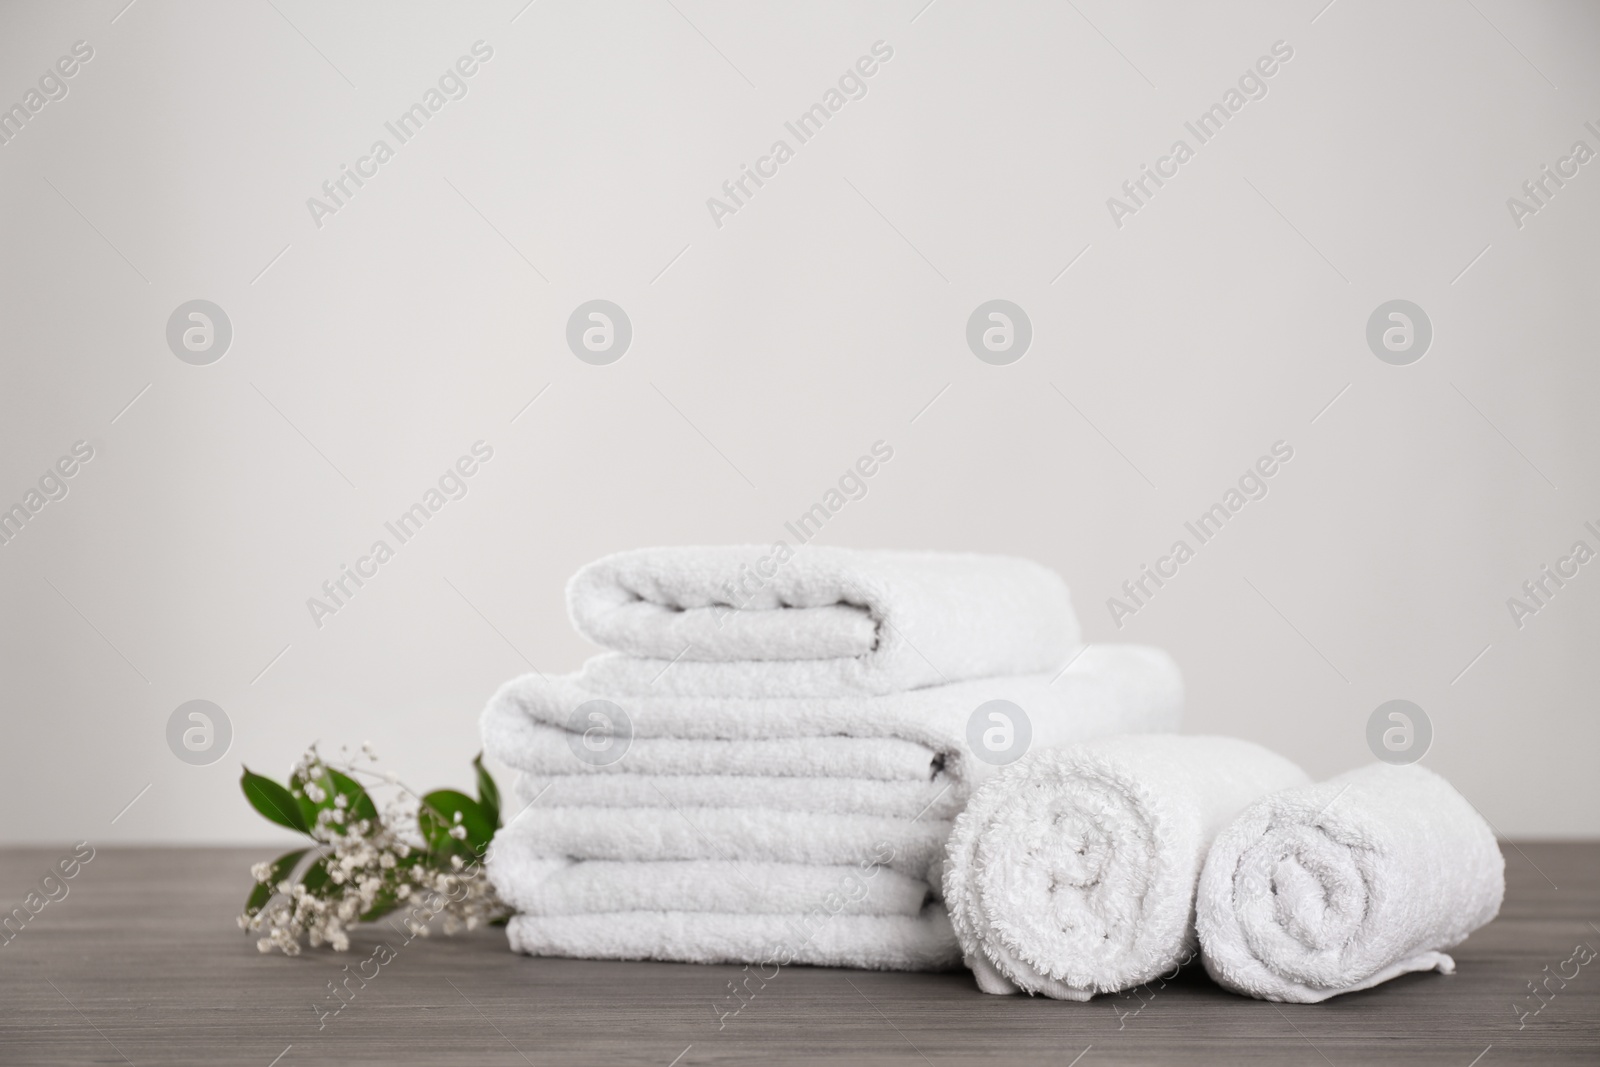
(766, 766)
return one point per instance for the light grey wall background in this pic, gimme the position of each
(1168, 353)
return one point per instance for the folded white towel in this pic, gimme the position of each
(1073, 872)
(919, 736)
(823, 621)
(1339, 886)
(834, 796)
(871, 942)
(536, 886)
(540, 749)
(733, 834)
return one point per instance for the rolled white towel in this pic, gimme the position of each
(1073, 872)
(1339, 886)
(819, 620)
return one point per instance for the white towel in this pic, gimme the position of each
(834, 796)
(871, 942)
(1339, 886)
(824, 621)
(918, 736)
(735, 834)
(543, 750)
(547, 887)
(1073, 872)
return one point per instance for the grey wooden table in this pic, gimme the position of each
(141, 963)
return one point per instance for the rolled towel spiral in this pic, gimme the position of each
(1073, 871)
(1339, 886)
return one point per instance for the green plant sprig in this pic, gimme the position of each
(363, 865)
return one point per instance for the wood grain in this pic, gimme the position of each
(141, 963)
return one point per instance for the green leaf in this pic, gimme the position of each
(358, 804)
(308, 807)
(437, 816)
(488, 793)
(264, 891)
(273, 801)
(316, 876)
(258, 898)
(382, 904)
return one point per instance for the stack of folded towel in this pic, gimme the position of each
(766, 766)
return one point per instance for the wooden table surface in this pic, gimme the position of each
(141, 963)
